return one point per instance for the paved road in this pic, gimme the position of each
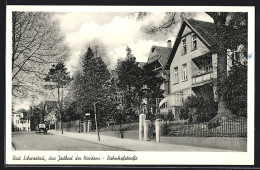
(33, 141)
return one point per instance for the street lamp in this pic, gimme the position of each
(87, 114)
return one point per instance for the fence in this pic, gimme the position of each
(127, 127)
(235, 128)
(72, 126)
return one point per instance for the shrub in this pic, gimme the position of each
(184, 113)
(170, 115)
(160, 116)
(213, 124)
(165, 129)
(198, 110)
(235, 90)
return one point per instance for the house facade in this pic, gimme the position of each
(193, 65)
(21, 121)
(50, 112)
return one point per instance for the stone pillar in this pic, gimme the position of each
(89, 125)
(157, 130)
(84, 127)
(146, 129)
(29, 125)
(141, 124)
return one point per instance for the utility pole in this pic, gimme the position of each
(95, 111)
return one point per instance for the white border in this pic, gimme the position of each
(152, 158)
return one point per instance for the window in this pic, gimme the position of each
(184, 46)
(208, 65)
(175, 75)
(184, 72)
(194, 42)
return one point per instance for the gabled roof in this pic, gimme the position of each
(26, 113)
(163, 53)
(205, 30)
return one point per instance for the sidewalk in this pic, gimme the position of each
(133, 145)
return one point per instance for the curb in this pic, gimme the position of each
(167, 145)
(13, 146)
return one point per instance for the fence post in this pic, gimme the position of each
(141, 124)
(157, 130)
(146, 129)
(84, 127)
(89, 125)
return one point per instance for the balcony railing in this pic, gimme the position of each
(202, 78)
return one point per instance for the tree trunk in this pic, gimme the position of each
(95, 110)
(220, 20)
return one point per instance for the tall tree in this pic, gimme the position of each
(129, 79)
(132, 78)
(91, 87)
(36, 42)
(231, 31)
(59, 78)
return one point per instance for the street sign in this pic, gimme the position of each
(87, 114)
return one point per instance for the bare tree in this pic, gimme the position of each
(36, 43)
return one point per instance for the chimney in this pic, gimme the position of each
(169, 44)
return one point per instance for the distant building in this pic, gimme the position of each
(45, 112)
(157, 60)
(50, 112)
(21, 120)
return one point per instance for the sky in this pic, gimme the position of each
(115, 31)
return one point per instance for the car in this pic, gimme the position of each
(41, 128)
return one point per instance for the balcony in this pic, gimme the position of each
(202, 78)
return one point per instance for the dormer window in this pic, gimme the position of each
(184, 46)
(194, 42)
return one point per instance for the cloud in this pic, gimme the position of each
(116, 33)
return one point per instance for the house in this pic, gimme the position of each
(21, 120)
(45, 112)
(50, 112)
(193, 64)
(157, 60)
